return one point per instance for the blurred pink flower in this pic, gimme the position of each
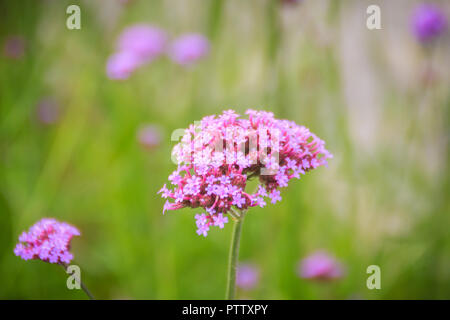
(320, 266)
(14, 47)
(428, 22)
(136, 46)
(47, 240)
(121, 65)
(149, 136)
(145, 41)
(189, 48)
(247, 276)
(47, 111)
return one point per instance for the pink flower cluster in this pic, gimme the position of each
(141, 43)
(219, 155)
(47, 240)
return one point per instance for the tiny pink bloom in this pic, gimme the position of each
(320, 266)
(275, 196)
(220, 220)
(260, 202)
(167, 206)
(201, 219)
(203, 230)
(150, 136)
(164, 192)
(47, 240)
(247, 276)
(189, 48)
(14, 47)
(47, 111)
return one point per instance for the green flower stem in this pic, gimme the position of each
(85, 289)
(233, 257)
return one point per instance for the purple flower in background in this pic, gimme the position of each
(428, 22)
(247, 276)
(202, 229)
(320, 266)
(47, 111)
(149, 136)
(145, 41)
(14, 47)
(189, 48)
(47, 240)
(121, 65)
(137, 45)
(275, 196)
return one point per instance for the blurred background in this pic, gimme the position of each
(82, 147)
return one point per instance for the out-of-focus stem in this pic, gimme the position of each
(215, 18)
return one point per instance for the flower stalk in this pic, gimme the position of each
(82, 285)
(233, 257)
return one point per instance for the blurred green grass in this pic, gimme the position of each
(88, 169)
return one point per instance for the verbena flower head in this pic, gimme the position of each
(47, 240)
(189, 48)
(428, 22)
(247, 276)
(320, 266)
(219, 155)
